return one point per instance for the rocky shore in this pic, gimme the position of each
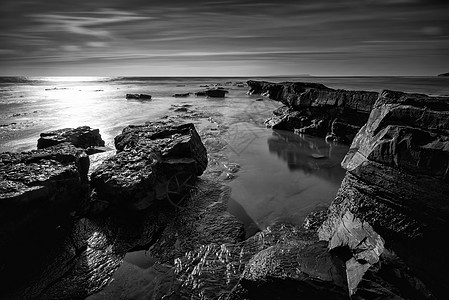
(313, 108)
(69, 224)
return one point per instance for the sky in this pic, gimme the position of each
(224, 37)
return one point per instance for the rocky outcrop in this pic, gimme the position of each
(138, 96)
(315, 109)
(154, 162)
(443, 75)
(47, 206)
(81, 137)
(394, 198)
(39, 191)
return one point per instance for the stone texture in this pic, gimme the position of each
(39, 191)
(397, 181)
(315, 109)
(154, 161)
(82, 137)
(292, 271)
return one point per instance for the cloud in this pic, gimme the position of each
(84, 23)
(432, 30)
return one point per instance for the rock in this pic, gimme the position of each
(363, 242)
(217, 268)
(286, 272)
(96, 149)
(216, 93)
(138, 96)
(154, 161)
(344, 130)
(443, 75)
(39, 191)
(198, 94)
(82, 137)
(182, 95)
(203, 219)
(397, 182)
(313, 108)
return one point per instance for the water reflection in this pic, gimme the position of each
(309, 154)
(283, 176)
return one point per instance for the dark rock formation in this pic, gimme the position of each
(201, 94)
(315, 109)
(182, 95)
(154, 161)
(397, 186)
(138, 96)
(306, 271)
(443, 75)
(46, 205)
(216, 93)
(82, 137)
(39, 190)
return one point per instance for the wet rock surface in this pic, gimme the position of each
(39, 190)
(154, 161)
(82, 137)
(397, 181)
(315, 109)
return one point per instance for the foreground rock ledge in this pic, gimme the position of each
(398, 183)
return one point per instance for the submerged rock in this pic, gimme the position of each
(398, 182)
(82, 137)
(154, 161)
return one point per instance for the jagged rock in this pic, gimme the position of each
(39, 191)
(397, 181)
(315, 109)
(363, 242)
(295, 271)
(203, 220)
(154, 161)
(138, 96)
(217, 268)
(82, 137)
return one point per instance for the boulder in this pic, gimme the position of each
(138, 96)
(154, 161)
(397, 182)
(81, 137)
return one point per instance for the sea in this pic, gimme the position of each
(280, 176)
